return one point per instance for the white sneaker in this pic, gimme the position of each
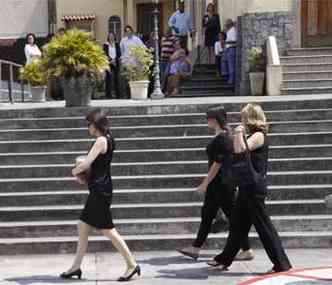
(245, 255)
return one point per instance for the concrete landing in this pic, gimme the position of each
(163, 268)
(168, 101)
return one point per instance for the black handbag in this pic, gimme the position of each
(242, 171)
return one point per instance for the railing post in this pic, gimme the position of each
(10, 84)
(22, 90)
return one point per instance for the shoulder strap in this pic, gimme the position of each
(246, 143)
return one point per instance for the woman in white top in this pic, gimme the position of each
(31, 50)
(219, 49)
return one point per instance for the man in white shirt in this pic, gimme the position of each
(127, 42)
(231, 37)
(181, 23)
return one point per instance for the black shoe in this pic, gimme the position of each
(137, 270)
(214, 263)
(70, 275)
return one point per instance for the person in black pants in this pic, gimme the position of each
(250, 205)
(218, 193)
(112, 51)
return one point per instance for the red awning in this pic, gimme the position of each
(78, 18)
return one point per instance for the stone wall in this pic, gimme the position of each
(253, 31)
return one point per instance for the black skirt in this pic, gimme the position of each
(97, 212)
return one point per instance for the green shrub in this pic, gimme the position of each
(73, 55)
(34, 73)
(256, 60)
(138, 66)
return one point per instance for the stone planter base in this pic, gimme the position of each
(38, 93)
(256, 83)
(139, 89)
(77, 91)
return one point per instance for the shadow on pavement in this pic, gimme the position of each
(179, 259)
(28, 280)
(200, 273)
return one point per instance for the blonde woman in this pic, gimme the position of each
(250, 205)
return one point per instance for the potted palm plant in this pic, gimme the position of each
(78, 61)
(34, 73)
(136, 69)
(256, 71)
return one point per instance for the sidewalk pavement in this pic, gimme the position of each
(158, 268)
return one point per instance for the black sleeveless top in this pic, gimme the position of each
(259, 157)
(100, 172)
(220, 150)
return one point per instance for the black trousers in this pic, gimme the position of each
(250, 209)
(218, 195)
(112, 81)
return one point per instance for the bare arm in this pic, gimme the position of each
(100, 146)
(254, 142)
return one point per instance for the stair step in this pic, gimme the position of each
(169, 119)
(150, 226)
(174, 142)
(157, 195)
(146, 155)
(306, 83)
(313, 59)
(158, 181)
(302, 239)
(306, 67)
(307, 75)
(151, 210)
(310, 51)
(307, 90)
(158, 168)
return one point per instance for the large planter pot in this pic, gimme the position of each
(38, 93)
(77, 91)
(139, 89)
(256, 83)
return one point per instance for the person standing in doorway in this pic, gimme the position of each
(112, 51)
(182, 25)
(211, 24)
(31, 50)
(231, 38)
(97, 213)
(250, 204)
(219, 193)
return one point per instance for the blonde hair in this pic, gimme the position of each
(254, 117)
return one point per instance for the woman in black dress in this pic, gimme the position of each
(211, 24)
(218, 192)
(250, 204)
(97, 213)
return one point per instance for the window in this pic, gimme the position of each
(114, 26)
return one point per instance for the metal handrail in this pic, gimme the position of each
(11, 66)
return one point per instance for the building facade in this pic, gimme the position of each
(295, 23)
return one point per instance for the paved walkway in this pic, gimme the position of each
(159, 268)
(170, 101)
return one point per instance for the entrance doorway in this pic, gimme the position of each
(145, 19)
(316, 23)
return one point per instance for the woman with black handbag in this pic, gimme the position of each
(250, 205)
(97, 213)
(218, 192)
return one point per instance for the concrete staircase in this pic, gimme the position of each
(206, 82)
(159, 161)
(307, 71)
